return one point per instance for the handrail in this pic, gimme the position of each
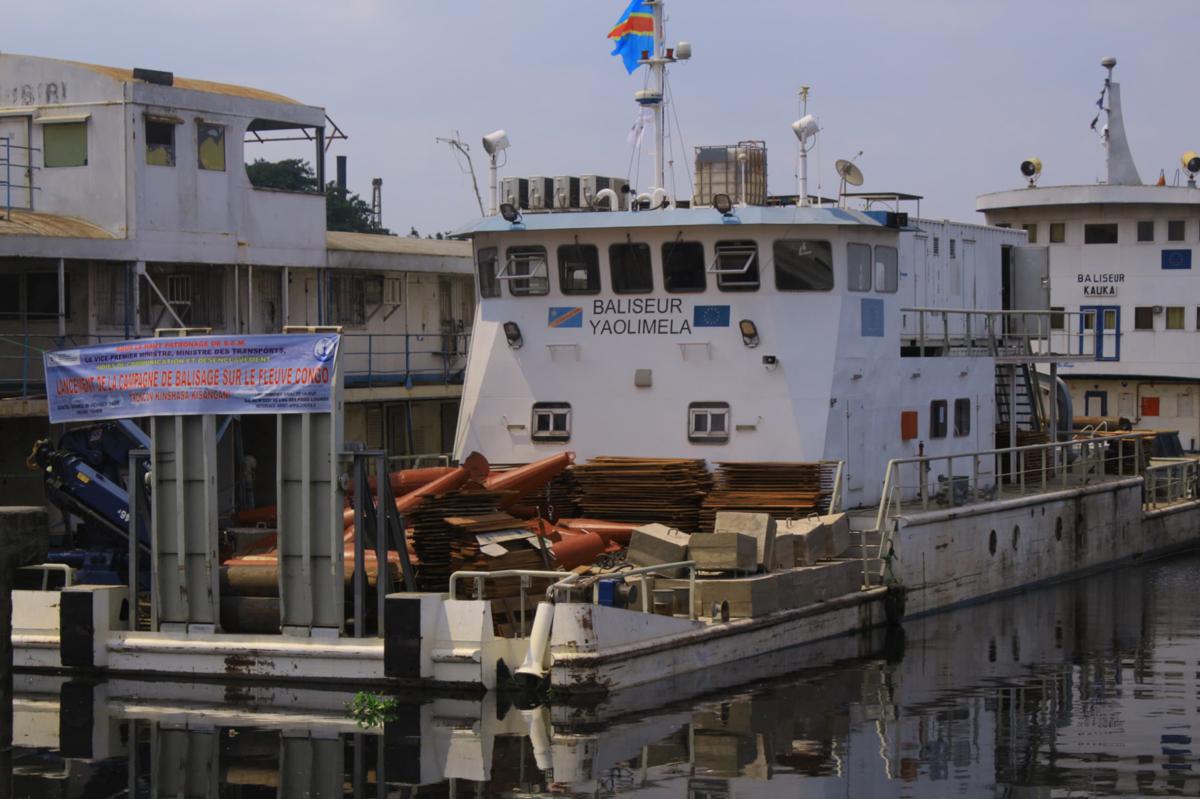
(642, 571)
(835, 496)
(479, 577)
(1004, 332)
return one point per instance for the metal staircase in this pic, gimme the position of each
(1028, 411)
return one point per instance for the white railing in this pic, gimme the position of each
(1170, 480)
(943, 331)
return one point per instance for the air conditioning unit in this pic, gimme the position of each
(566, 192)
(591, 185)
(541, 194)
(515, 191)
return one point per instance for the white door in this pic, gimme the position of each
(16, 177)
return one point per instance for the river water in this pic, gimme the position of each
(1087, 688)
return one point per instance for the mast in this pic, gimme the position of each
(653, 97)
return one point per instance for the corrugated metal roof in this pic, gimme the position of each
(394, 245)
(192, 84)
(673, 217)
(27, 223)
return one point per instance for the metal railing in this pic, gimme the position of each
(1169, 481)
(954, 331)
(389, 359)
(6, 148)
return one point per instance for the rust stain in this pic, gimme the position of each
(244, 664)
(28, 223)
(208, 86)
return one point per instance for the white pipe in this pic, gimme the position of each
(610, 195)
(803, 199)
(495, 188)
(659, 68)
(539, 643)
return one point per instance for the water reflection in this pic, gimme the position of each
(1088, 688)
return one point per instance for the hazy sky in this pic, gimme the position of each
(944, 97)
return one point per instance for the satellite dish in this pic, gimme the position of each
(848, 172)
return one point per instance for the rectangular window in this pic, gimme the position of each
(160, 142)
(937, 419)
(579, 269)
(962, 417)
(1175, 230)
(485, 268)
(683, 266)
(1057, 313)
(197, 295)
(630, 267)
(1175, 317)
(708, 422)
(210, 146)
(10, 296)
(1031, 230)
(348, 300)
(1143, 318)
(526, 271)
(1058, 232)
(952, 243)
(887, 269)
(1198, 317)
(858, 267)
(1100, 233)
(64, 144)
(551, 421)
(1145, 230)
(41, 295)
(937, 245)
(803, 265)
(736, 266)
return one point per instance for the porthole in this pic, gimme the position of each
(1016, 535)
(1058, 529)
(992, 543)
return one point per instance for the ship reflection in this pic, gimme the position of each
(1087, 687)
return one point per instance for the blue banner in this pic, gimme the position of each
(194, 374)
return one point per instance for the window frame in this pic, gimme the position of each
(812, 257)
(550, 411)
(1058, 314)
(708, 411)
(1143, 310)
(855, 272)
(1176, 225)
(201, 138)
(1098, 227)
(938, 418)
(1180, 312)
(962, 417)
(1141, 225)
(884, 271)
(51, 131)
(591, 267)
(1059, 228)
(531, 283)
(160, 124)
(20, 294)
(620, 286)
(727, 277)
(670, 277)
(482, 260)
(1031, 232)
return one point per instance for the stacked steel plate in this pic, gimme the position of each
(781, 489)
(643, 490)
(433, 536)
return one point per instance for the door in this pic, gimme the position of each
(1104, 323)
(1095, 403)
(856, 444)
(16, 177)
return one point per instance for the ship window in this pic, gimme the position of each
(631, 270)
(551, 421)
(936, 245)
(962, 417)
(1057, 313)
(160, 142)
(526, 271)
(64, 144)
(1175, 316)
(1198, 317)
(803, 265)
(210, 146)
(1058, 232)
(952, 243)
(858, 267)
(1143, 318)
(579, 268)
(1030, 229)
(708, 422)
(683, 266)
(1175, 230)
(489, 285)
(887, 269)
(736, 266)
(1100, 233)
(1145, 230)
(937, 419)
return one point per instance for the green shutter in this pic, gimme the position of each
(64, 144)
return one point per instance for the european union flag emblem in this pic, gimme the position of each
(1176, 259)
(710, 316)
(566, 317)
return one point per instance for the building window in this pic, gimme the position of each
(708, 422)
(1100, 233)
(160, 142)
(858, 267)
(736, 266)
(803, 265)
(197, 295)
(551, 421)
(683, 266)
(579, 269)
(1175, 317)
(887, 269)
(937, 245)
(629, 264)
(485, 268)
(1175, 230)
(937, 419)
(527, 272)
(1058, 232)
(962, 417)
(1057, 313)
(1031, 231)
(1143, 318)
(348, 300)
(952, 243)
(64, 144)
(210, 146)
(1198, 317)
(1145, 230)
(32, 296)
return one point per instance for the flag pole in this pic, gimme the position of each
(659, 65)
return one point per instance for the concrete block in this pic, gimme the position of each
(789, 583)
(826, 580)
(723, 552)
(653, 544)
(820, 537)
(759, 525)
(748, 597)
(785, 550)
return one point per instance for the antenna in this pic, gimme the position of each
(461, 146)
(652, 97)
(850, 174)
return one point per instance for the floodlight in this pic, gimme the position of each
(512, 332)
(749, 332)
(723, 203)
(510, 213)
(805, 127)
(495, 142)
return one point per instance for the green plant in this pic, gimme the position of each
(371, 710)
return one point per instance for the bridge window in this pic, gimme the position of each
(937, 419)
(1145, 230)
(1175, 230)
(1058, 232)
(962, 417)
(736, 266)
(803, 265)
(683, 266)
(485, 267)
(551, 421)
(630, 267)
(526, 271)
(1143, 318)
(858, 267)
(1030, 230)
(1100, 233)
(708, 422)
(579, 268)
(887, 269)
